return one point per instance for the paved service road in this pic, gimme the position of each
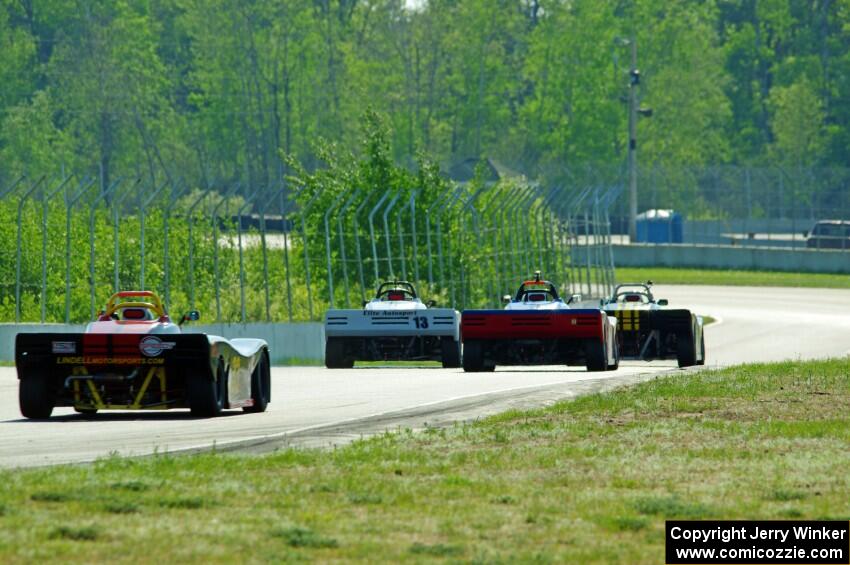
(314, 406)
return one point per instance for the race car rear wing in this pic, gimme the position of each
(532, 324)
(60, 353)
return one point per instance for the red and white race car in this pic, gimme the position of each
(538, 328)
(133, 357)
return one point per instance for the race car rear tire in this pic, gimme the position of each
(702, 349)
(686, 350)
(473, 356)
(616, 364)
(595, 355)
(37, 396)
(260, 385)
(450, 351)
(335, 354)
(206, 396)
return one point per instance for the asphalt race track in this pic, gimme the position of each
(314, 406)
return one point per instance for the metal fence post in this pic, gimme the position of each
(356, 226)
(547, 226)
(372, 233)
(574, 215)
(21, 203)
(470, 205)
(46, 196)
(214, 218)
(263, 244)
(534, 216)
(518, 250)
(239, 212)
(388, 238)
(142, 213)
(413, 234)
(12, 186)
(433, 205)
(560, 244)
(400, 229)
(328, 211)
(503, 241)
(173, 196)
(284, 213)
(69, 206)
(341, 235)
(497, 200)
(303, 215)
(116, 205)
(191, 219)
(455, 196)
(526, 234)
(104, 195)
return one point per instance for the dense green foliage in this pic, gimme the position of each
(220, 90)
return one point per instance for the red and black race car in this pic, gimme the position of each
(538, 328)
(133, 357)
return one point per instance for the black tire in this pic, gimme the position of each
(473, 356)
(702, 348)
(36, 396)
(686, 350)
(335, 354)
(450, 350)
(616, 364)
(595, 356)
(261, 384)
(206, 396)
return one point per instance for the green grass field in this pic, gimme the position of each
(587, 480)
(663, 275)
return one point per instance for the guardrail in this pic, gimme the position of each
(733, 257)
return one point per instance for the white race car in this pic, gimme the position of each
(394, 326)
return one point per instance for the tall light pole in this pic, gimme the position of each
(634, 81)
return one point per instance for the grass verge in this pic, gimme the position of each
(664, 275)
(590, 480)
(409, 364)
(297, 362)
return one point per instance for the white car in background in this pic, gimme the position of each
(394, 326)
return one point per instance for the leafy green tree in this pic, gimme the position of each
(797, 124)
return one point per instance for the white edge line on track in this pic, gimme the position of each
(280, 435)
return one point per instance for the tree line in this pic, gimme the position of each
(236, 91)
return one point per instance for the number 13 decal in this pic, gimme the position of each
(421, 322)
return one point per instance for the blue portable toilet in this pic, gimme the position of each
(659, 226)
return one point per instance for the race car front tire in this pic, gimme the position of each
(260, 385)
(36, 396)
(450, 351)
(335, 354)
(596, 357)
(206, 396)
